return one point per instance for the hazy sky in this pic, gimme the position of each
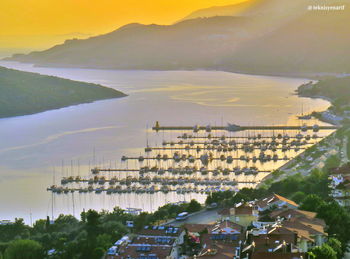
(33, 21)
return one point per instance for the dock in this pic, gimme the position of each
(198, 163)
(236, 128)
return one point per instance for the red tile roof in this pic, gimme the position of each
(196, 228)
(132, 253)
(218, 249)
(273, 198)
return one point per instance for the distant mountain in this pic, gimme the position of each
(317, 42)
(24, 43)
(27, 93)
(228, 10)
(191, 44)
(259, 36)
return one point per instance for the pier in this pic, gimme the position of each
(194, 163)
(236, 128)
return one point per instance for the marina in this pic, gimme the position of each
(204, 165)
(31, 162)
(235, 128)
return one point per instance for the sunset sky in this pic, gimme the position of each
(36, 23)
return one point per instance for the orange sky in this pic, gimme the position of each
(23, 21)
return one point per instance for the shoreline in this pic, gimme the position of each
(59, 108)
(284, 167)
(309, 76)
(52, 92)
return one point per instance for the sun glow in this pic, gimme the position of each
(39, 22)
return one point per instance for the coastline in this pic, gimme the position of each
(26, 93)
(311, 76)
(285, 168)
(59, 108)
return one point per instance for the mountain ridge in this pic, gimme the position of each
(250, 41)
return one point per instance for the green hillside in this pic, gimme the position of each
(24, 93)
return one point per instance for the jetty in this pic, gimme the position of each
(236, 128)
(241, 156)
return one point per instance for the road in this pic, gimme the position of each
(344, 150)
(201, 217)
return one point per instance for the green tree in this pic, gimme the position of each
(338, 221)
(298, 196)
(194, 206)
(24, 249)
(324, 252)
(311, 203)
(336, 246)
(98, 253)
(92, 227)
(104, 241)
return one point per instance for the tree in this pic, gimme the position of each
(324, 252)
(194, 206)
(331, 162)
(338, 221)
(311, 203)
(98, 253)
(18, 230)
(238, 198)
(24, 249)
(336, 246)
(104, 241)
(298, 196)
(92, 227)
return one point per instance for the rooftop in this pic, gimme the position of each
(160, 231)
(344, 169)
(273, 198)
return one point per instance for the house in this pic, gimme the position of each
(310, 229)
(309, 234)
(152, 242)
(275, 200)
(224, 240)
(299, 230)
(275, 241)
(307, 217)
(242, 213)
(340, 185)
(195, 231)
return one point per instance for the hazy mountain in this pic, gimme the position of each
(316, 42)
(228, 10)
(197, 43)
(250, 8)
(26, 93)
(260, 36)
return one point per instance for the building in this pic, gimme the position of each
(291, 234)
(152, 242)
(224, 240)
(274, 241)
(340, 185)
(242, 213)
(273, 201)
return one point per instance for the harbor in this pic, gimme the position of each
(121, 127)
(193, 162)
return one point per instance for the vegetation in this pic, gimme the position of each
(27, 93)
(348, 145)
(24, 249)
(336, 89)
(68, 237)
(323, 252)
(332, 249)
(312, 193)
